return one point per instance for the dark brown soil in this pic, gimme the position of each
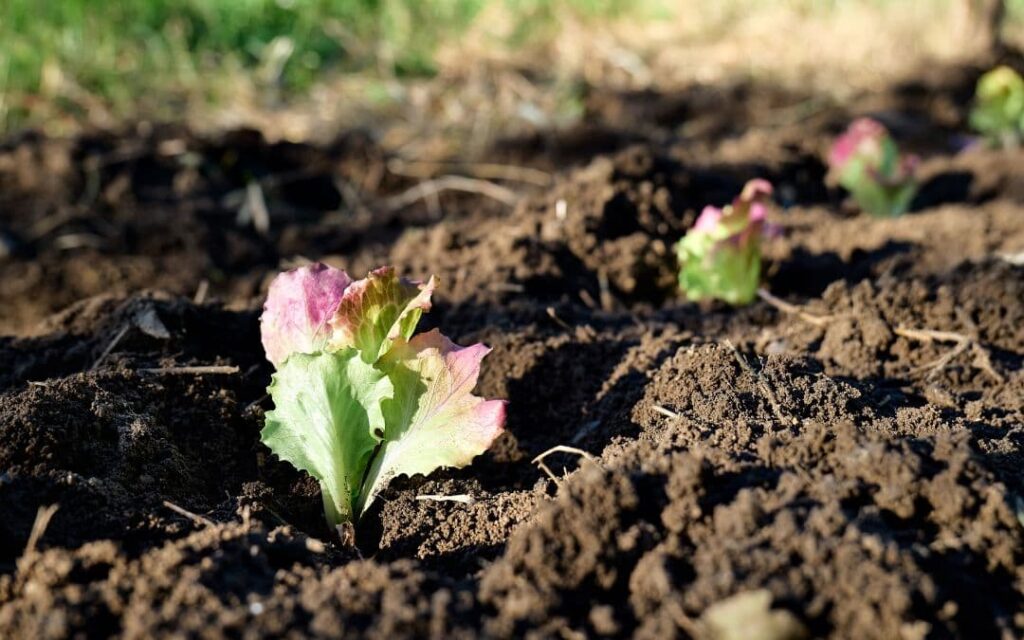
(845, 458)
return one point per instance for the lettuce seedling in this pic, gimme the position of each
(720, 257)
(866, 162)
(998, 112)
(358, 398)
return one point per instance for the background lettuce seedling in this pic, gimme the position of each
(866, 162)
(720, 257)
(358, 398)
(998, 111)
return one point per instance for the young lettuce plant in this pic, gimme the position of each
(720, 257)
(998, 112)
(358, 398)
(866, 162)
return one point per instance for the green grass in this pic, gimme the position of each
(58, 57)
(64, 60)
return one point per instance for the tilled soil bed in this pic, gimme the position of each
(842, 461)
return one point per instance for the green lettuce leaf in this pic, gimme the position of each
(377, 310)
(711, 268)
(720, 257)
(327, 422)
(998, 111)
(866, 162)
(358, 399)
(432, 420)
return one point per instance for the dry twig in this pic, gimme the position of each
(201, 291)
(509, 287)
(254, 208)
(588, 299)
(484, 170)
(194, 517)
(461, 498)
(607, 298)
(554, 316)
(561, 448)
(792, 309)
(110, 347)
(961, 342)
(192, 371)
(39, 525)
(430, 188)
(668, 413)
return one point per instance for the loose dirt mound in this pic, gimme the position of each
(850, 458)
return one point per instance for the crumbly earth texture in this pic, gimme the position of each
(844, 463)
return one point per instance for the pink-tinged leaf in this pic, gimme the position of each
(863, 137)
(749, 206)
(866, 161)
(757, 190)
(433, 420)
(708, 219)
(721, 255)
(378, 310)
(751, 210)
(743, 221)
(298, 309)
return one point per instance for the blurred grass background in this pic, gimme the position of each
(135, 54)
(68, 62)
